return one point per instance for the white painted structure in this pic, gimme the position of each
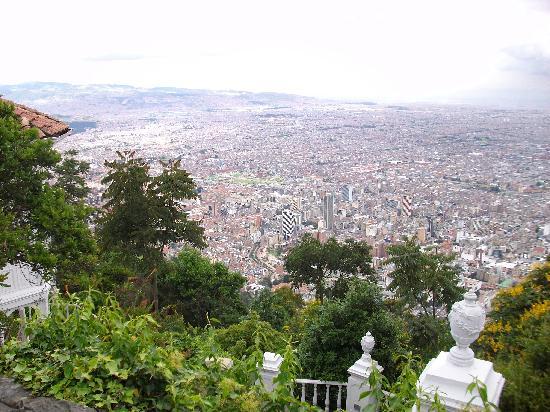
(26, 289)
(451, 372)
(359, 375)
(328, 385)
(270, 369)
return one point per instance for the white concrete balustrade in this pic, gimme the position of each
(319, 384)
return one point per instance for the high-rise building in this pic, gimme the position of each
(431, 226)
(213, 209)
(288, 223)
(296, 204)
(328, 211)
(347, 193)
(406, 203)
(421, 234)
(296, 208)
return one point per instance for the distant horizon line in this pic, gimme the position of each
(342, 100)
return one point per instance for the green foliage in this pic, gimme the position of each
(481, 389)
(251, 334)
(516, 339)
(70, 177)
(41, 224)
(328, 266)
(9, 325)
(200, 289)
(399, 396)
(331, 340)
(428, 335)
(279, 308)
(423, 280)
(143, 213)
(90, 352)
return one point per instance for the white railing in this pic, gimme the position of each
(327, 385)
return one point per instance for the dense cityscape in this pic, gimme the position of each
(269, 168)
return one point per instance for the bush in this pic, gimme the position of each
(279, 308)
(252, 334)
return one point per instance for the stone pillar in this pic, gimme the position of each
(359, 376)
(451, 372)
(270, 369)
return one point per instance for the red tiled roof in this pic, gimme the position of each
(48, 126)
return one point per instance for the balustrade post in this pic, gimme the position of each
(358, 381)
(271, 367)
(451, 372)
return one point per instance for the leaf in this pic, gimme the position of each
(112, 367)
(19, 368)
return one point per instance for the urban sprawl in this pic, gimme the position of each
(465, 180)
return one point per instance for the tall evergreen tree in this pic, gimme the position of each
(70, 173)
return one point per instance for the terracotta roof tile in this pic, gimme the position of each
(48, 126)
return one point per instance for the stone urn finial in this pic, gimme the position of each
(467, 319)
(367, 343)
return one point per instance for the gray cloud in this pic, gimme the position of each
(530, 59)
(543, 5)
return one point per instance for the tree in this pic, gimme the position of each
(423, 280)
(42, 224)
(143, 213)
(279, 308)
(428, 335)
(328, 266)
(201, 290)
(331, 340)
(70, 174)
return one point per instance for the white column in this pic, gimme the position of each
(43, 304)
(451, 372)
(270, 369)
(359, 375)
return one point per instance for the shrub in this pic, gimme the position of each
(90, 352)
(516, 339)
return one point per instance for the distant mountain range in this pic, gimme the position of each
(73, 100)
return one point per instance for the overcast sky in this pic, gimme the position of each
(400, 50)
